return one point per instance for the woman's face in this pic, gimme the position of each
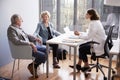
(45, 18)
(88, 16)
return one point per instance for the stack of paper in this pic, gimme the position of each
(72, 40)
(74, 37)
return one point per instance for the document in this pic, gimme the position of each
(74, 37)
(72, 40)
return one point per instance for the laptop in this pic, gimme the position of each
(67, 30)
(72, 36)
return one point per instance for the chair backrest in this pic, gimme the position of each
(20, 51)
(108, 43)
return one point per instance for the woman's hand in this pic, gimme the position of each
(76, 33)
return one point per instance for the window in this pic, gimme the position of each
(62, 13)
(49, 5)
(66, 13)
(111, 16)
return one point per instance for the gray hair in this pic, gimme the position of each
(13, 18)
(45, 13)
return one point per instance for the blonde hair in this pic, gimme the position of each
(45, 13)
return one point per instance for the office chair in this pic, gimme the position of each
(20, 52)
(107, 46)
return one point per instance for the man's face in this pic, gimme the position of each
(19, 21)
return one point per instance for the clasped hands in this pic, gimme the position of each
(77, 33)
(34, 46)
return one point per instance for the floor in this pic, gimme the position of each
(64, 73)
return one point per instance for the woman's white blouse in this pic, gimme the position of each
(96, 33)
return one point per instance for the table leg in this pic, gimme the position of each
(69, 52)
(75, 50)
(110, 64)
(47, 65)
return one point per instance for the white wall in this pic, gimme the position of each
(28, 9)
(112, 2)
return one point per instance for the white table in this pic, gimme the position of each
(62, 39)
(113, 51)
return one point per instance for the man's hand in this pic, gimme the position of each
(33, 47)
(38, 40)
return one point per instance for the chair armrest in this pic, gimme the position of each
(90, 42)
(93, 42)
(93, 55)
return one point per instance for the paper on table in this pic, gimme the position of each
(77, 37)
(72, 40)
(73, 37)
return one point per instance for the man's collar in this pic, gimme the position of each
(15, 27)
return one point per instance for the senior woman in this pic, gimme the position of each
(45, 31)
(96, 33)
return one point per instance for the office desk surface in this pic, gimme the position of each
(115, 48)
(65, 40)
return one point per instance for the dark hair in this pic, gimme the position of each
(94, 14)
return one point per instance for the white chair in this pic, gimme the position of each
(20, 52)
